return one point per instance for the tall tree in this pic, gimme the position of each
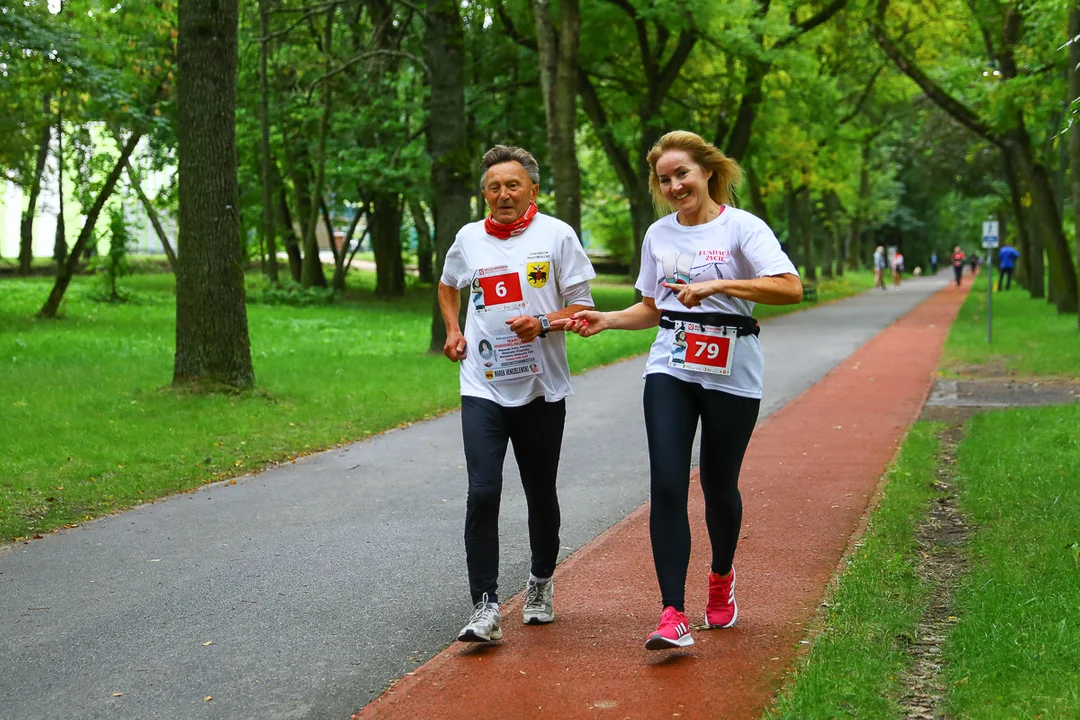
(212, 343)
(1074, 134)
(66, 270)
(1013, 138)
(26, 228)
(558, 52)
(269, 231)
(448, 141)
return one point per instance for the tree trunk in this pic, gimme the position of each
(342, 259)
(1058, 252)
(448, 140)
(151, 212)
(386, 242)
(60, 248)
(292, 242)
(212, 343)
(852, 250)
(424, 246)
(831, 221)
(794, 227)
(26, 229)
(1074, 136)
(1032, 281)
(313, 271)
(66, 271)
(757, 198)
(269, 231)
(805, 210)
(558, 51)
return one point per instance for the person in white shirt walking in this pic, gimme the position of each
(703, 267)
(527, 274)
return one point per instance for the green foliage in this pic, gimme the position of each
(260, 290)
(113, 265)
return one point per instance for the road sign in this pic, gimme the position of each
(990, 234)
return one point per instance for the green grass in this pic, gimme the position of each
(851, 668)
(1015, 652)
(1029, 336)
(91, 426)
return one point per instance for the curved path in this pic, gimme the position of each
(303, 592)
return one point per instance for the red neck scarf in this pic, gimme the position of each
(508, 230)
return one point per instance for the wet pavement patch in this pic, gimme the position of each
(956, 399)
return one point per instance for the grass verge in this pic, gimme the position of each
(1029, 336)
(851, 669)
(1015, 652)
(92, 428)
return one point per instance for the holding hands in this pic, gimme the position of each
(585, 323)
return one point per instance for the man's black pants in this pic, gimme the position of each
(536, 432)
(1006, 277)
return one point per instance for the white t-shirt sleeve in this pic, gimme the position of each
(761, 248)
(573, 264)
(579, 294)
(647, 281)
(456, 267)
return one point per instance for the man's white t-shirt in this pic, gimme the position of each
(530, 274)
(734, 246)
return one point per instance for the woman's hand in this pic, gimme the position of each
(585, 323)
(691, 295)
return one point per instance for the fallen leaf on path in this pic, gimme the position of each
(118, 694)
(208, 642)
(208, 698)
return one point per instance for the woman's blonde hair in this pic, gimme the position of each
(726, 173)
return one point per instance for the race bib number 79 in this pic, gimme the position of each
(702, 349)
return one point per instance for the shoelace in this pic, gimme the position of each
(532, 595)
(720, 592)
(483, 612)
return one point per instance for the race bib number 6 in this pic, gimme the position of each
(497, 289)
(701, 349)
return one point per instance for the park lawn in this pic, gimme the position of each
(92, 428)
(1015, 651)
(1029, 336)
(852, 666)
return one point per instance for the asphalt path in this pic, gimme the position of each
(302, 592)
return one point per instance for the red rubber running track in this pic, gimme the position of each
(807, 481)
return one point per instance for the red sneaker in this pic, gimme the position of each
(673, 631)
(721, 610)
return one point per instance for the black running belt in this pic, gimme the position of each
(744, 324)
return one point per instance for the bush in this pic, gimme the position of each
(260, 290)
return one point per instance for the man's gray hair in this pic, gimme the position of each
(509, 153)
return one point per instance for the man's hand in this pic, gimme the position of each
(526, 327)
(454, 348)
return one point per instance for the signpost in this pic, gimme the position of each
(990, 242)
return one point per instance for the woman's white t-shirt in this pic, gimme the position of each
(529, 274)
(734, 246)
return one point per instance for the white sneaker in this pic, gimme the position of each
(485, 624)
(538, 608)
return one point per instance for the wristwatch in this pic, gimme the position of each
(545, 325)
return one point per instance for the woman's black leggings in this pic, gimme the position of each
(672, 410)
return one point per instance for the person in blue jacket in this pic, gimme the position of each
(1007, 257)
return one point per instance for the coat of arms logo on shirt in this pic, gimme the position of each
(537, 273)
